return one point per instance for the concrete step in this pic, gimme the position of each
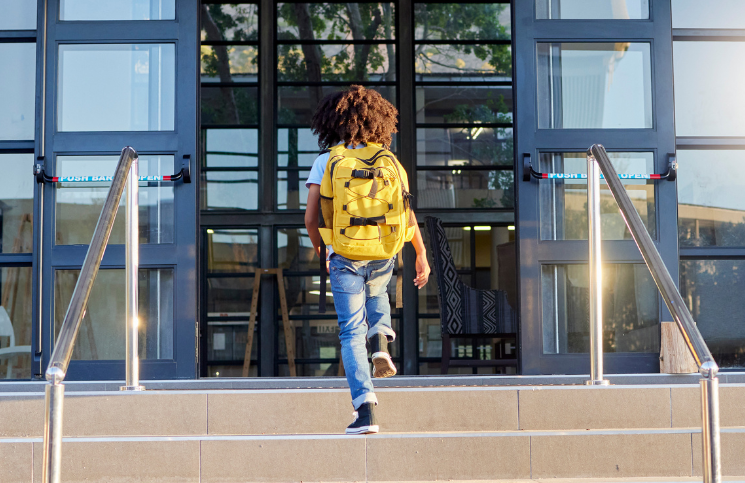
(505, 455)
(328, 411)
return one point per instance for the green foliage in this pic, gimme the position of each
(476, 21)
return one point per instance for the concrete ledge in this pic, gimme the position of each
(398, 381)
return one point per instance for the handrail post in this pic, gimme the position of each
(132, 249)
(710, 439)
(596, 275)
(54, 394)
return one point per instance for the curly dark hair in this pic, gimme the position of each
(355, 116)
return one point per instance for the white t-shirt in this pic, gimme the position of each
(316, 176)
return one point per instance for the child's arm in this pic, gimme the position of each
(311, 217)
(422, 265)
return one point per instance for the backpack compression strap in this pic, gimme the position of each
(322, 299)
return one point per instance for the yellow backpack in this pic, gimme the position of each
(365, 203)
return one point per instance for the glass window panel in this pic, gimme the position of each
(226, 344)
(232, 250)
(230, 105)
(297, 104)
(229, 296)
(230, 148)
(231, 190)
(229, 63)
(101, 335)
(711, 199)
(297, 147)
(18, 15)
(16, 203)
(707, 87)
(117, 10)
(460, 63)
(15, 322)
(592, 9)
(17, 91)
(713, 291)
(630, 309)
(438, 104)
(455, 188)
(714, 14)
(594, 85)
(291, 191)
(316, 63)
(231, 22)
(78, 205)
(335, 21)
(295, 252)
(462, 21)
(464, 146)
(116, 87)
(563, 203)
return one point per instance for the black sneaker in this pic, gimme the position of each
(382, 364)
(364, 420)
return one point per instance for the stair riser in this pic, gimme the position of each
(378, 458)
(166, 413)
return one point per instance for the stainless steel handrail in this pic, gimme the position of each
(674, 301)
(126, 173)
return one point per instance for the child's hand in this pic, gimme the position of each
(422, 271)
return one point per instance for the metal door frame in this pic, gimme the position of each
(181, 143)
(532, 252)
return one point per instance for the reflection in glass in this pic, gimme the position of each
(453, 104)
(464, 146)
(101, 335)
(229, 169)
(297, 104)
(722, 14)
(316, 63)
(594, 85)
(713, 291)
(232, 258)
(464, 62)
(117, 9)
(297, 147)
(711, 199)
(630, 309)
(15, 322)
(16, 203)
(592, 9)
(295, 252)
(18, 15)
(229, 63)
(707, 87)
(232, 250)
(455, 188)
(116, 87)
(292, 194)
(563, 203)
(78, 205)
(230, 105)
(231, 22)
(17, 91)
(462, 21)
(335, 21)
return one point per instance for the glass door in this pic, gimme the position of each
(121, 74)
(591, 74)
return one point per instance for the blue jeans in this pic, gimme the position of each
(360, 290)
